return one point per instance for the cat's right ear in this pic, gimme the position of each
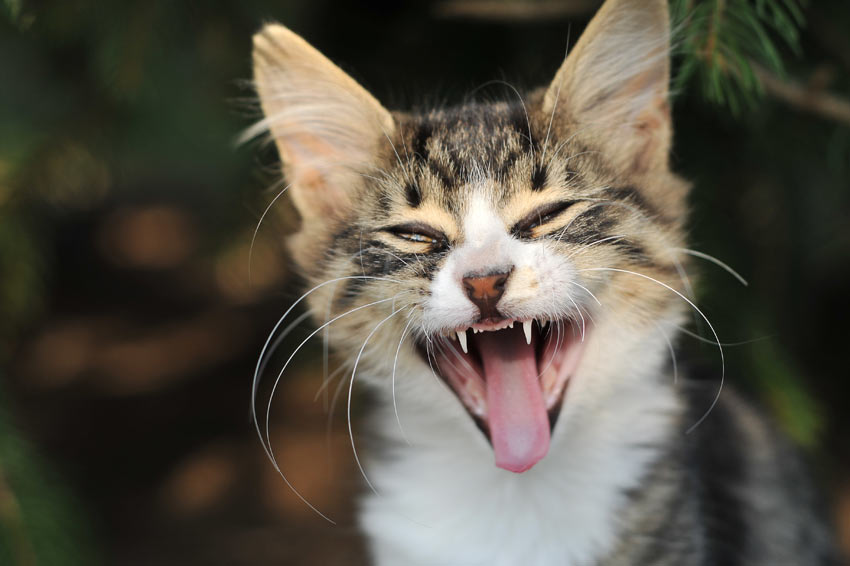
(327, 128)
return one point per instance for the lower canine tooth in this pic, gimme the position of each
(461, 337)
(526, 327)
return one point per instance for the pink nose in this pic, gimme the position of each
(485, 291)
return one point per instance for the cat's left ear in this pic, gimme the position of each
(613, 86)
(327, 128)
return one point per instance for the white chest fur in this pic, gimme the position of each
(442, 501)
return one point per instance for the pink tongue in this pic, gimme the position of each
(519, 423)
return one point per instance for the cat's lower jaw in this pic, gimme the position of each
(443, 501)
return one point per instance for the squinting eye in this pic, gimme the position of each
(540, 216)
(414, 237)
(419, 233)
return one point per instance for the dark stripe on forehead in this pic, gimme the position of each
(420, 140)
(538, 178)
(413, 194)
(518, 120)
(444, 172)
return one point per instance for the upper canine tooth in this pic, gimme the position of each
(461, 337)
(526, 327)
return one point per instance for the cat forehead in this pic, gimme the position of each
(472, 134)
(496, 149)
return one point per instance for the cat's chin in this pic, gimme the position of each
(511, 376)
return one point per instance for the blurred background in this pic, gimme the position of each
(129, 328)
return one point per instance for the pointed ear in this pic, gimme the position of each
(327, 128)
(613, 86)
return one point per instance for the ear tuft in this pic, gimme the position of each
(614, 84)
(325, 125)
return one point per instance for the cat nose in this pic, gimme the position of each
(485, 291)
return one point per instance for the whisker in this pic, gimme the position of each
(259, 223)
(521, 101)
(256, 379)
(327, 381)
(597, 242)
(301, 345)
(586, 290)
(429, 354)
(705, 318)
(455, 353)
(580, 315)
(351, 389)
(689, 290)
(267, 447)
(716, 262)
(725, 344)
(281, 337)
(392, 381)
(551, 119)
(326, 343)
(672, 352)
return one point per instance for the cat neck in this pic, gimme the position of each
(439, 489)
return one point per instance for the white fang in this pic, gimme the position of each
(526, 327)
(461, 337)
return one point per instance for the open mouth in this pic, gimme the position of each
(511, 376)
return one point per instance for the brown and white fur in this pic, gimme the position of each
(558, 211)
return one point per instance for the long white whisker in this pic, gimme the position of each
(522, 103)
(397, 156)
(256, 380)
(351, 389)
(554, 106)
(392, 381)
(583, 324)
(280, 338)
(267, 447)
(551, 119)
(689, 290)
(716, 262)
(586, 290)
(326, 343)
(455, 353)
(337, 392)
(594, 243)
(705, 318)
(301, 345)
(725, 344)
(259, 223)
(672, 353)
(327, 381)
(429, 351)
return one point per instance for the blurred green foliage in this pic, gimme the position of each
(40, 522)
(721, 41)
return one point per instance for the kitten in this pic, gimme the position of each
(506, 278)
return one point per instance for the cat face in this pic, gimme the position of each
(523, 252)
